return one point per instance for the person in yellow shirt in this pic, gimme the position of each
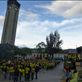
(11, 72)
(5, 71)
(32, 65)
(37, 68)
(16, 74)
(19, 68)
(22, 71)
(27, 72)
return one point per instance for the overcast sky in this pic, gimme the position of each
(38, 18)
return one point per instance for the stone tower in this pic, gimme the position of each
(10, 24)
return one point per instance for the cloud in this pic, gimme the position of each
(1, 20)
(75, 11)
(1, 25)
(67, 9)
(28, 15)
(32, 32)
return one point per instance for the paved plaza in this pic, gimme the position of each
(54, 75)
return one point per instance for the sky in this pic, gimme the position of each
(37, 19)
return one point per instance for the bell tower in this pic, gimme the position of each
(10, 24)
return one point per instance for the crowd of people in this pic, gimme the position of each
(69, 69)
(21, 70)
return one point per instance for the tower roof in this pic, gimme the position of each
(9, 2)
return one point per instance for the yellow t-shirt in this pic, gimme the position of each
(11, 69)
(27, 70)
(22, 72)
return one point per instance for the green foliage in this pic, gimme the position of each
(53, 43)
(79, 49)
(25, 51)
(8, 51)
(41, 47)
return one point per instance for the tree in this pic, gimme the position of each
(25, 51)
(41, 47)
(7, 51)
(53, 43)
(79, 49)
